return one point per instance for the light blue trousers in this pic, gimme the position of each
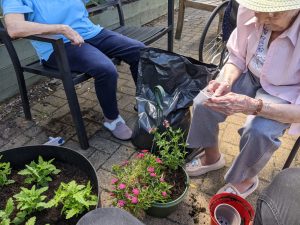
(259, 136)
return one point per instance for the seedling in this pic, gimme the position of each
(40, 172)
(5, 214)
(74, 198)
(5, 171)
(29, 201)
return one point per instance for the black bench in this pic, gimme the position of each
(69, 79)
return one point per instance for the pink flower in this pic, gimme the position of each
(145, 151)
(164, 193)
(158, 160)
(150, 169)
(122, 186)
(112, 194)
(121, 203)
(134, 200)
(166, 123)
(125, 163)
(136, 191)
(140, 155)
(114, 180)
(153, 174)
(161, 179)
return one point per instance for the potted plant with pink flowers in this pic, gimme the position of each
(154, 183)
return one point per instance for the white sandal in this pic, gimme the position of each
(229, 188)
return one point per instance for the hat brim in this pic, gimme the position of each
(270, 5)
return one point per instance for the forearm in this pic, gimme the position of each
(285, 113)
(231, 73)
(18, 29)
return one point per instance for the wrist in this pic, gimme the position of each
(258, 106)
(62, 28)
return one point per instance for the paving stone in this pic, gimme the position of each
(98, 158)
(106, 199)
(231, 135)
(104, 179)
(125, 100)
(122, 154)
(89, 95)
(33, 131)
(2, 142)
(17, 142)
(44, 108)
(105, 145)
(148, 220)
(182, 215)
(76, 147)
(55, 101)
(229, 149)
(39, 139)
(127, 90)
(60, 93)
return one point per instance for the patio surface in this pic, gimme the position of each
(52, 118)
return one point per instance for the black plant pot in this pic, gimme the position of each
(18, 157)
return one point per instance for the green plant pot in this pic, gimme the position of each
(162, 210)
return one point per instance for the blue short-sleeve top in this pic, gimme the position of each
(69, 12)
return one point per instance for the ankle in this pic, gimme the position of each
(110, 120)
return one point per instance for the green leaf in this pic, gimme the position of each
(31, 221)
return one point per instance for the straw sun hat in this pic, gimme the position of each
(270, 5)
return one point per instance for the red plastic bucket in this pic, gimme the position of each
(244, 208)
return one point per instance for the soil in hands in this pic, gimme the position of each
(48, 216)
(178, 180)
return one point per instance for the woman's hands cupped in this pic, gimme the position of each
(218, 88)
(232, 103)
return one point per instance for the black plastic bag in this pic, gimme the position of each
(167, 84)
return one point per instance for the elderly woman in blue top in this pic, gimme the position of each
(88, 46)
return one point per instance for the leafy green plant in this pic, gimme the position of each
(31, 221)
(75, 198)
(39, 172)
(139, 183)
(5, 214)
(29, 201)
(5, 171)
(171, 145)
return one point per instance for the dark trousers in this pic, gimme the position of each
(94, 58)
(279, 203)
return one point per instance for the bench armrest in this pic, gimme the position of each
(44, 38)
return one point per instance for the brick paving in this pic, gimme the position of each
(52, 118)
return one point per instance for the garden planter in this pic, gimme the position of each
(73, 164)
(162, 210)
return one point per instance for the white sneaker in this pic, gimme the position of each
(195, 168)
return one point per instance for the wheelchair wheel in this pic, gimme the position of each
(212, 49)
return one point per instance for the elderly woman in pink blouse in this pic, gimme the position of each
(262, 80)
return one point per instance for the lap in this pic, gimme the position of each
(85, 59)
(115, 45)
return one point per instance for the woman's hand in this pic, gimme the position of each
(72, 35)
(218, 88)
(231, 103)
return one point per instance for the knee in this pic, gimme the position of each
(290, 176)
(198, 106)
(107, 72)
(256, 132)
